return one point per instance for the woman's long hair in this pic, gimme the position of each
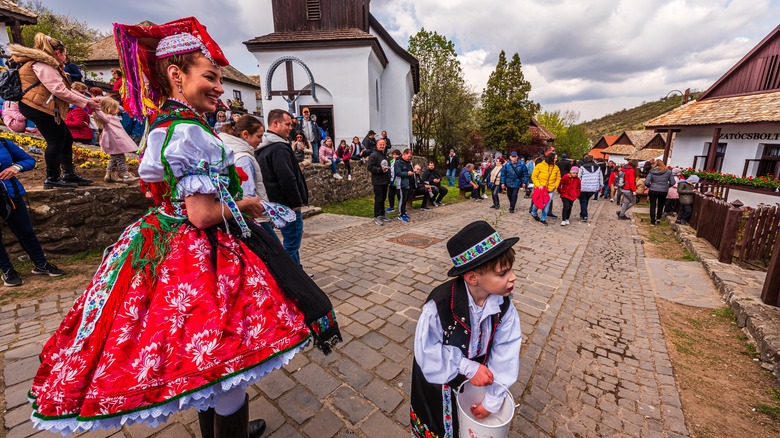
(47, 44)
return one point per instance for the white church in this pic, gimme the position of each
(335, 58)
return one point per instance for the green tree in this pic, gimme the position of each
(76, 35)
(575, 143)
(506, 109)
(443, 110)
(570, 139)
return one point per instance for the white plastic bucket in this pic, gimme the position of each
(494, 426)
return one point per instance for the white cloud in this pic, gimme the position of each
(594, 57)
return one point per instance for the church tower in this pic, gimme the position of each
(292, 16)
(334, 58)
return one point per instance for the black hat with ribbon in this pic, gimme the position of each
(474, 245)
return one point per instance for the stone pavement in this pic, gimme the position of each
(594, 361)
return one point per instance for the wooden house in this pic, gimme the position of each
(13, 16)
(630, 142)
(597, 151)
(734, 126)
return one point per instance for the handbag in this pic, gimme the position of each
(540, 197)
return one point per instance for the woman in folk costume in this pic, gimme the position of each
(194, 302)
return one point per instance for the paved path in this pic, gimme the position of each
(594, 361)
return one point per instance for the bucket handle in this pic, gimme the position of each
(460, 389)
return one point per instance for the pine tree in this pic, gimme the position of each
(506, 109)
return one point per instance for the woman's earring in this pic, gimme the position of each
(179, 85)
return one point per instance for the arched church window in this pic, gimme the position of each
(313, 11)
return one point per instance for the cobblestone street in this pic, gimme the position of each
(594, 360)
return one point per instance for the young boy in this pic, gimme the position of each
(468, 330)
(403, 174)
(392, 191)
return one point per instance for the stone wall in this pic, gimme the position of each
(91, 218)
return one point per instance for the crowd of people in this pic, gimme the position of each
(250, 305)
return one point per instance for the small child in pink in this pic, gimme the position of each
(114, 141)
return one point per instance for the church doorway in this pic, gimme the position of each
(324, 114)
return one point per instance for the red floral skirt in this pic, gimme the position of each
(170, 320)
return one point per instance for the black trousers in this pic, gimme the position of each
(380, 193)
(422, 191)
(403, 196)
(392, 193)
(511, 193)
(567, 205)
(657, 202)
(20, 224)
(440, 192)
(59, 141)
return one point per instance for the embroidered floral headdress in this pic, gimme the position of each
(139, 49)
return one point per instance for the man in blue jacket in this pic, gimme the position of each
(514, 176)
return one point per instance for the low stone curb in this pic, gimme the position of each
(741, 288)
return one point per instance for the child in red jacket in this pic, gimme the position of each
(569, 189)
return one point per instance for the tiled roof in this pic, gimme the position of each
(540, 132)
(312, 35)
(11, 9)
(646, 154)
(611, 139)
(231, 73)
(640, 139)
(620, 149)
(752, 108)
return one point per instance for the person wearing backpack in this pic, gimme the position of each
(591, 179)
(627, 185)
(659, 180)
(47, 104)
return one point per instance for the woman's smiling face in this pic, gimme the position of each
(201, 86)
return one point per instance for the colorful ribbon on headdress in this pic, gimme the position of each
(136, 46)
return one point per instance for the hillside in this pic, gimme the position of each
(631, 119)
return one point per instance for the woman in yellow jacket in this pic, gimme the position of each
(546, 174)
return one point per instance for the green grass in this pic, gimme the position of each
(725, 313)
(773, 411)
(684, 342)
(364, 206)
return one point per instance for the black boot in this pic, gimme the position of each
(206, 421)
(70, 176)
(237, 424)
(53, 180)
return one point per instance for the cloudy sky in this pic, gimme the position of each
(595, 57)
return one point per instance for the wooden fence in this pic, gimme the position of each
(750, 235)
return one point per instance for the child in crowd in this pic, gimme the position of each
(78, 120)
(672, 197)
(468, 330)
(570, 189)
(628, 189)
(392, 190)
(686, 188)
(114, 141)
(328, 155)
(403, 173)
(344, 152)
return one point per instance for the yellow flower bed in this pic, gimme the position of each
(92, 158)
